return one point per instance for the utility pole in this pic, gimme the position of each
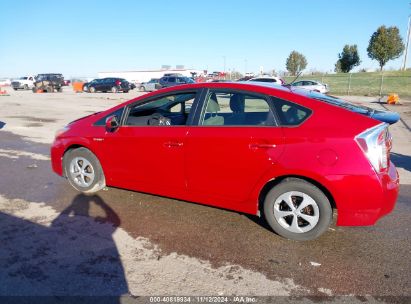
(407, 44)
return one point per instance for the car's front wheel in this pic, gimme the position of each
(114, 90)
(91, 89)
(83, 170)
(297, 210)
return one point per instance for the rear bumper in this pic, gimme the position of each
(363, 200)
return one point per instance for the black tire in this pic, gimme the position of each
(323, 211)
(15, 89)
(83, 156)
(114, 90)
(26, 87)
(60, 89)
(125, 92)
(50, 89)
(34, 90)
(142, 89)
(91, 89)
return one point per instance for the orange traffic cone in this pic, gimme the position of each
(393, 99)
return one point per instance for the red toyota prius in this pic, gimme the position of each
(291, 155)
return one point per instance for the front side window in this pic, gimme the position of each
(236, 109)
(168, 110)
(102, 121)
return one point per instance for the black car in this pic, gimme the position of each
(170, 81)
(109, 84)
(49, 82)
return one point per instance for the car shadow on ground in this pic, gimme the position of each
(74, 256)
(401, 160)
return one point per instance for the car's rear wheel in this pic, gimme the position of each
(26, 87)
(297, 210)
(91, 89)
(114, 90)
(83, 170)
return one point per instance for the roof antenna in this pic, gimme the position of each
(298, 75)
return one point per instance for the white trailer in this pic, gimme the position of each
(144, 76)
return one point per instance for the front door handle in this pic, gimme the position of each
(173, 144)
(262, 146)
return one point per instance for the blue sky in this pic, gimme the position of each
(81, 38)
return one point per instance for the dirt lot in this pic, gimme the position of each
(55, 241)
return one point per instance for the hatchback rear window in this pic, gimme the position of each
(340, 103)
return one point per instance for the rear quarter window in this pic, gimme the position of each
(289, 113)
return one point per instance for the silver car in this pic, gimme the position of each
(311, 85)
(152, 85)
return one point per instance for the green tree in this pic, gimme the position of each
(348, 59)
(337, 67)
(385, 44)
(296, 62)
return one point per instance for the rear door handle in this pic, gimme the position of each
(262, 146)
(173, 144)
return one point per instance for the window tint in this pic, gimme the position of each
(290, 114)
(171, 79)
(236, 109)
(167, 110)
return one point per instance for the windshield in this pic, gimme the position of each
(340, 103)
(23, 78)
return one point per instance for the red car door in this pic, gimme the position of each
(234, 145)
(150, 157)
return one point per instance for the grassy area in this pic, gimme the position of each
(365, 84)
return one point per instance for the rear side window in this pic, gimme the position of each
(289, 113)
(231, 108)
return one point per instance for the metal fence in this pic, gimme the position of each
(363, 84)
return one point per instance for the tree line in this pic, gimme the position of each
(385, 44)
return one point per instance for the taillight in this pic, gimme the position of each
(376, 144)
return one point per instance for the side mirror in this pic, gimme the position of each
(112, 123)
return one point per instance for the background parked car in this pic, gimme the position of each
(5, 82)
(272, 79)
(132, 85)
(25, 83)
(152, 85)
(170, 81)
(109, 84)
(311, 85)
(49, 83)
